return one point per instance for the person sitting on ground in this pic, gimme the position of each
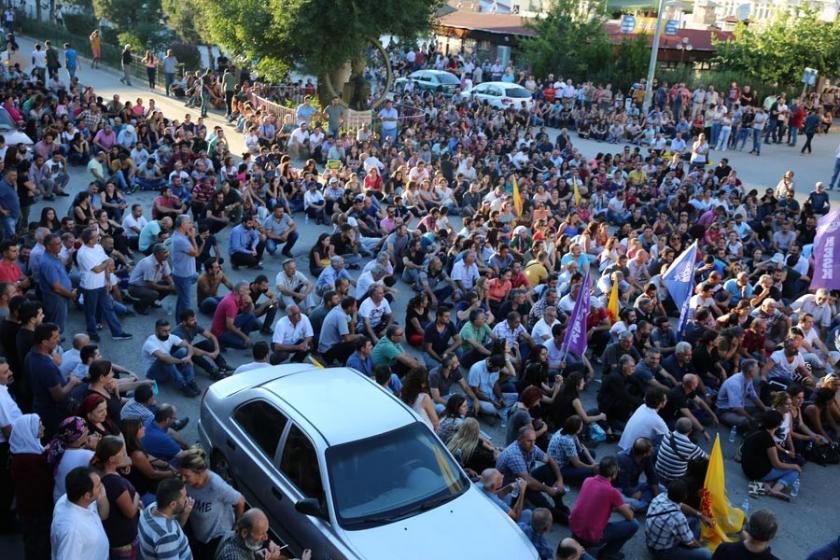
(669, 533)
(234, 319)
(389, 352)
(166, 356)
(157, 440)
(535, 526)
(337, 338)
(760, 460)
(620, 393)
(737, 401)
(207, 287)
(597, 500)
(292, 338)
(758, 531)
(646, 421)
(502, 496)
(483, 379)
(151, 280)
(575, 460)
(294, 287)
(632, 464)
(206, 352)
(676, 451)
(518, 460)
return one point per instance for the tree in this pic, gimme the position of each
(569, 42)
(779, 51)
(630, 62)
(128, 14)
(184, 18)
(321, 36)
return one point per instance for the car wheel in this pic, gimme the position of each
(219, 464)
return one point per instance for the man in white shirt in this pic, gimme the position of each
(299, 141)
(95, 283)
(294, 287)
(166, 356)
(465, 272)
(646, 421)
(389, 117)
(77, 530)
(292, 337)
(260, 354)
(72, 357)
(541, 333)
(375, 314)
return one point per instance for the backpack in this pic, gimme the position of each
(825, 454)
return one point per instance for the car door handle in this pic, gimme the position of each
(230, 443)
(277, 493)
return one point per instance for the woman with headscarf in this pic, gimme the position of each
(71, 447)
(94, 410)
(33, 484)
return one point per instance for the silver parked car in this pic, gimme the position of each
(341, 466)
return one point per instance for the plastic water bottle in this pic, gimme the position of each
(794, 489)
(745, 506)
(732, 434)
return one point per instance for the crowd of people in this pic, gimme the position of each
(490, 224)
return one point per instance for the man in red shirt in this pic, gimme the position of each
(590, 516)
(167, 204)
(234, 318)
(9, 270)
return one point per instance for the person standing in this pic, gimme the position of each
(390, 119)
(126, 58)
(50, 389)
(95, 48)
(229, 87)
(54, 283)
(77, 530)
(203, 85)
(96, 268)
(184, 252)
(812, 122)
(39, 63)
(150, 61)
(160, 530)
(170, 66)
(53, 63)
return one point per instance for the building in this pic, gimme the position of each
(759, 11)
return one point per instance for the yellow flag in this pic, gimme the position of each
(517, 198)
(715, 505)
(612, 303)
(576, 191)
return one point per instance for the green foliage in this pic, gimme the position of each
(568, 43)
(778, 52)
(128, 14)
(320, 35)
(630, 62)
(183, 16)
(80, 24)
(133, 39)
(187, 55)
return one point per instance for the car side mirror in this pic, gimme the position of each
(311, 506)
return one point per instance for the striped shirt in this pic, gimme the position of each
(161, 538)
(675, 452)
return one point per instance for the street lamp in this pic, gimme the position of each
(684, 45)
(660, 16)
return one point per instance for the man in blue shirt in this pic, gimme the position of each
(184, 252)
(54, 282)
(9, 203)
(49, 389)
(70, 60)
(246, 244)
(330, 275)
(157, 441)
(360, 359)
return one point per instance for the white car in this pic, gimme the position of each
(344, 468)
(501, 95)
(10, 132)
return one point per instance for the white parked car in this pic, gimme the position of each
(10, 131)
(501, 95)
(344, 468)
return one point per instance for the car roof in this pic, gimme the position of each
(432, 72)
(340, 403)
(500, 84)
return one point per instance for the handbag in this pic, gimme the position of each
(597, 433)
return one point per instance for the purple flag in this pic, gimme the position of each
(575, 339)
(826, 252)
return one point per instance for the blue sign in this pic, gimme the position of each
(628, 24)
(671, 27)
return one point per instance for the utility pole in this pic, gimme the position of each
(653, 54)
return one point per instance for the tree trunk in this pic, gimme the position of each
(357, 89)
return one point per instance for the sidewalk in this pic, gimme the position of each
(106, 82)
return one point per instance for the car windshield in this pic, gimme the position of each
(448, 79)
(391, 476)
(518, 93)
